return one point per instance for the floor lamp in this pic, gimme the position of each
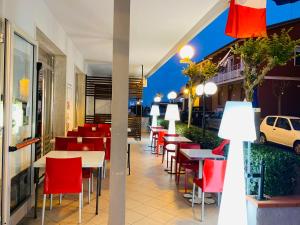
(237, 125)
(172, 115)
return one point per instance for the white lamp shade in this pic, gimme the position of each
(238, 122)
(200, 89)
(154, 110)
(210, 88)
(172, 95)
(172, 112)
(187, 52)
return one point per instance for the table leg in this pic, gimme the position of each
(128, 159)
(36, 173)
(100, 181)
(97, 191)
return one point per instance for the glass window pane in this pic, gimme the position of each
(22, 90)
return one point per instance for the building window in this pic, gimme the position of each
(297, 56)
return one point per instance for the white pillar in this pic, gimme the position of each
(119, 111)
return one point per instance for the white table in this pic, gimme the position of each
(90, 159)
(200, 155)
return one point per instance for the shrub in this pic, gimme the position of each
(281, 166)
(280, 175)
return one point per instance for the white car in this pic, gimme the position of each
(283, 130)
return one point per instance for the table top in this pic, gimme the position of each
(199, 154)
(89, 158)
(79, 139)
(155, 130)
(178, 139)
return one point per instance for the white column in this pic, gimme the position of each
(119, 111)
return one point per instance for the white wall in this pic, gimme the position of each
(27, 15)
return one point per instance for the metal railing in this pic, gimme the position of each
(226, 76)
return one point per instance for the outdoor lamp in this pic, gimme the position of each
(200, 89)
(172, 95)
(172, 115)
(186, 52)
(210, 88)
(154, 113)
(237, 125)
(157, 99)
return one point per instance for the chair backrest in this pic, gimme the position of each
(220, 149)
(93, 134)
(213, 175)
(98, 142)
(160, 138)
(63, 176)
(73, 133)
(190, 145)
(61, 143)
(81, 147)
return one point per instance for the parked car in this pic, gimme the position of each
(283, 130)
(214, 120)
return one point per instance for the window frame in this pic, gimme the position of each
(282, 127)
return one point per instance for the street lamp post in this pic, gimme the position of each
(205, 90)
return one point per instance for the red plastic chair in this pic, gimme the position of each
(169, 148)
(86, 172)
(73, 134)
(220, 149)
(212, 180)
(93, 134)
(90, 125)
(160, 141)
(61, 143)
(188, 165)
(63, 176)
(98, 142)
(107, 148)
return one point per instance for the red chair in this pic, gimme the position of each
(73, 134)
(61, 143)
(220, 149)
(63, 176)
(160, 141)
(98, 142)
(90, 125)
(107, 148)
(86, 172)
(212, 180)
(188, 165)
(92, 134)
(169, 148)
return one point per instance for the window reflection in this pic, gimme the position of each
(22, 90)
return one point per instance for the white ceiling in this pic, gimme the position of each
(157, 27)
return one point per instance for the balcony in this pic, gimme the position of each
(232, 73)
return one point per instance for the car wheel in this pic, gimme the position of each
(262, 139)
(297, 147)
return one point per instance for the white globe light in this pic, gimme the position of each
(157, 99)
(200, 89)
(187, 52)
(210, 88)
(172, 95)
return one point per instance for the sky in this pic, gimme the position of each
(169, 77)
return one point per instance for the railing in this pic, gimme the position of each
(227, 76)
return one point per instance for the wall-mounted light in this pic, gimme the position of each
(157, 99)
(172, 95)
(186, 53)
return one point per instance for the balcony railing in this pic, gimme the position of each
(227, 76)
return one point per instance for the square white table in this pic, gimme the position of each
(90, 159)
(200, 155)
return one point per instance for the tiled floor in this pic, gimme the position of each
(152, 199)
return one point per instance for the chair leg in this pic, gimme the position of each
(178, 176)
(60, 198)
(80, 205)
(185, 179)
(43, 210)
(171, 166)
(202, 213)
(89, 191)
(51, 198)
(168, 159)
(219, 199)
(82, 197)
(163, 155)
(193, 196)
